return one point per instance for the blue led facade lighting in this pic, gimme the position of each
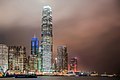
(34, 46)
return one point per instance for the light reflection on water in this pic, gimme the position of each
(62, 78)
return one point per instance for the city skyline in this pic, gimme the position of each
(92, 32)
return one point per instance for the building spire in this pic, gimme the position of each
(34, 36)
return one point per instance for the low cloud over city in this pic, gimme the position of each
(89, 28)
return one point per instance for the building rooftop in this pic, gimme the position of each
(48, 7)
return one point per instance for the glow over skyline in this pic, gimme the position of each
(89, 28)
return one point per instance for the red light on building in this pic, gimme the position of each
(73, 64)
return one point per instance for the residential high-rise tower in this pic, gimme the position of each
(17, 58)
(3, 57)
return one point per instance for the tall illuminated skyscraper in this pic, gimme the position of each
(62, 59)
(34, 46)
(47, 39)
(35, 57)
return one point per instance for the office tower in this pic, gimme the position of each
(3, 57)
(17, 58)
(62, 59)
(55, 65)
(25, 61)
(47, 39)
(73, 64)
(39, 60)
(30, 63)
(35, 57)
(34, 46)
(33, 63)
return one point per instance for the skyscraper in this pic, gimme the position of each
(3, 57)
(17, 58)
(47, 39)
(40, 60)
(73, 64)
(34, 46)
(62, 59)
(33, 63)
(33, 58)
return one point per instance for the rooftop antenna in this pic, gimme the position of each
(34, 36)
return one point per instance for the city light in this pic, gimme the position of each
(41, 57)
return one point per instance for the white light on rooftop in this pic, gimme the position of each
(48, 7)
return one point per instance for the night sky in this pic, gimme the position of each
(89, 28)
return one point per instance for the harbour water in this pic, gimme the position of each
(63, 78)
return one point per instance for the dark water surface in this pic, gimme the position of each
(62, 78)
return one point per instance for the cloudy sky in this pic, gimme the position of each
(89, 28)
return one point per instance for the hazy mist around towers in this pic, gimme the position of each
(89, 28)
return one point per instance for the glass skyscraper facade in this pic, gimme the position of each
(34, 46)
(35, 57)
(62, 59)
(47, 39)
